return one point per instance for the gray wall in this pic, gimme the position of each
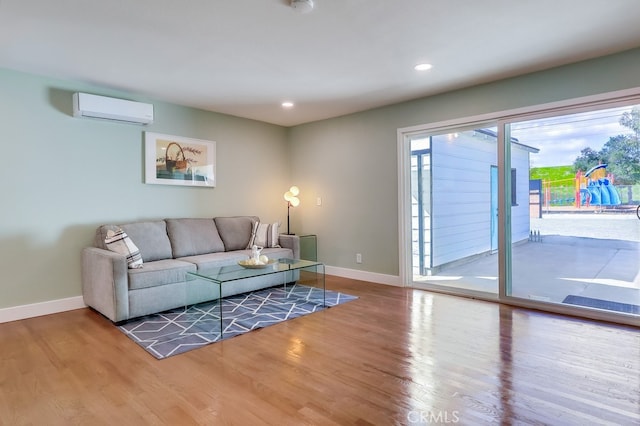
(351, 161)
(63, 176)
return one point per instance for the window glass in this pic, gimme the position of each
(578, 243)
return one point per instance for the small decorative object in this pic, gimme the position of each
(291, 197)
(255, 253)
(249, 265)
(175, 160)
(257, 260)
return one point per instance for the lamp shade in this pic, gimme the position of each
(291, 196)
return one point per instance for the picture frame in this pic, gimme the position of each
(178, 160)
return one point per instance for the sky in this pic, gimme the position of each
(560, 139)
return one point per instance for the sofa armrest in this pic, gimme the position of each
(105, 282)
(291, 242)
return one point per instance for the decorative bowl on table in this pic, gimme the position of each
(247, 263)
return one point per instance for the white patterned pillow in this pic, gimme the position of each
(264, 235)
(254, 228)
(118, 241)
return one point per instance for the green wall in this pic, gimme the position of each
(351, 161)
(63, 176)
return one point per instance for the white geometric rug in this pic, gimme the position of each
(183, 329)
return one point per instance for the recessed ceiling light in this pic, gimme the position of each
(423, 67)
(287, 104)
(302, 6)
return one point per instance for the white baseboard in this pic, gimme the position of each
(373, 277)
(16, 313)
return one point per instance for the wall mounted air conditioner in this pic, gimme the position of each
(94, 106)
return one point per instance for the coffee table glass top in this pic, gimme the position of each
(228, 273)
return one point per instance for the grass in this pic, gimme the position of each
(556, 175)
(561, 180)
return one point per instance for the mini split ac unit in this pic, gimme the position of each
(94, 106)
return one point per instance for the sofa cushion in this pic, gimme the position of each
(278, 253)
(118, 241)
(235, 231)
(266, 235)
(159, 272)
(150, 238)
(214, 260)
(190, 237)
(252, 237)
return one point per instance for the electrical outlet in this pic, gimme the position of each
(358, 258)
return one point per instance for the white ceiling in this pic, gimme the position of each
(244, 57)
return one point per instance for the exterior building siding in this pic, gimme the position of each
(461, 195)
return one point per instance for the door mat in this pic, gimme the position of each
(602, 304)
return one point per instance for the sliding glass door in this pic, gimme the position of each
(538, 210)
(453, 223)
(581, 245)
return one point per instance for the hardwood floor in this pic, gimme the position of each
(394, 356)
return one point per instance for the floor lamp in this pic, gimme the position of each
(291, 197)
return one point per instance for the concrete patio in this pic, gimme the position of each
(585, 254)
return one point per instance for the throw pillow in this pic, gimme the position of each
(254, 228)
(264, 235)
(118, 241)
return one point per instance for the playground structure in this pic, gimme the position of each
(595, 188)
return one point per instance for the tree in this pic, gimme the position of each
(587, 159)
(623, 158)
(631, 120)
(621, 153)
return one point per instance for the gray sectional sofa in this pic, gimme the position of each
(170, 248)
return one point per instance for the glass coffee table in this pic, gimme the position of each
(210, 283)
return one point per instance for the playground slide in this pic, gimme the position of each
(613, 194)
(601, 190)
(603, 193)
(595, 195)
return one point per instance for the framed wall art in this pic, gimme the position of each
(176, 160)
